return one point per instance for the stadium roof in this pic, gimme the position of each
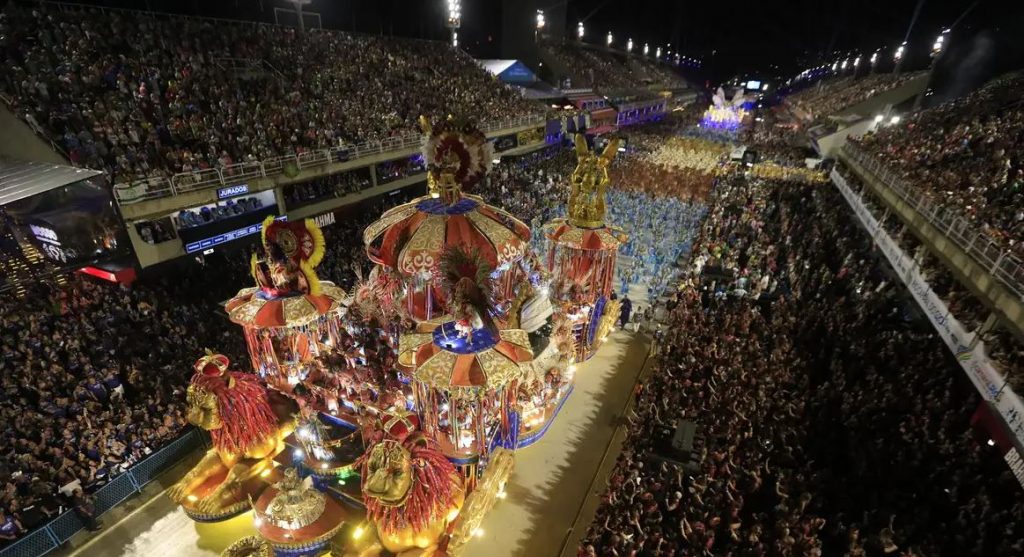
(21, 179)
(510, 71)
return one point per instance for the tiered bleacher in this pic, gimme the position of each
(592, 67)
(140, 94)
(964, 155)
(826, 98)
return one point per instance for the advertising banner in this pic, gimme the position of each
(974, 361)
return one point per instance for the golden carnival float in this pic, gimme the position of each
(584, 249)
(386, 423)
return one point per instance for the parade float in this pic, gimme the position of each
(247, 425)
(725, 114)
(584, 249)
(386, 423)
(291, 320)
(408, 240)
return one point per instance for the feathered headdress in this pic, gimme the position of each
(300, 243)
(457, 148)
(466, 280)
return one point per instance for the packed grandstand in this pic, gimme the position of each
(826, 413)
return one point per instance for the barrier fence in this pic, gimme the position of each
(160, 186)
(1002, 265)
(59, 530)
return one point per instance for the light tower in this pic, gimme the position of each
(454, 19)
(897, 57)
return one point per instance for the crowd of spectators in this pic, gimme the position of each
(389, 171)
(333, 185)
(965, 156)
(603, 69)
(188, 218)
(93, 380)
(828, 97)
(93, 375)
(832, 420)
(531, 187)
(139, 94)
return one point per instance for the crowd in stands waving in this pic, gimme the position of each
(792, 352)
(140, 94)
(92, 375)
(965, 156)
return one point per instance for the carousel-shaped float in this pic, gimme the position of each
(466, 370)
(408, 240)
(584, 250)
(292, 321)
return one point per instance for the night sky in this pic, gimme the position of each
(788, 36)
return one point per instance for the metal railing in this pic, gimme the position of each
(55, 533)
(1000, 263)
(160, 186)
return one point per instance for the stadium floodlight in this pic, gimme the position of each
(657, 53)
(843, 65)
(629, 45)
(940, 43)
(455, 38)
(898, 55)
(540, 20)
(894, 120)
(878, 118)
(874, 58)
(609, 38)
(856, 61)
(835, 65)
(454, 14)
(579, 30)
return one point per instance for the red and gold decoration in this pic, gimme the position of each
(297, 519)
(410, 239)
(291, 319)
(584, 250)
(412, 493)
(248, 428)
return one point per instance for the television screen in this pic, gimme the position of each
(71, 226)
(754, 85)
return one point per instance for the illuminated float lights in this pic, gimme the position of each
(723, 118)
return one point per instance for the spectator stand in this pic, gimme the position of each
(991, 258)
(61, 529)
(966, 346)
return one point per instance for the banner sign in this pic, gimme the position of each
(232, 191)
(206, 243)
(974, 361)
